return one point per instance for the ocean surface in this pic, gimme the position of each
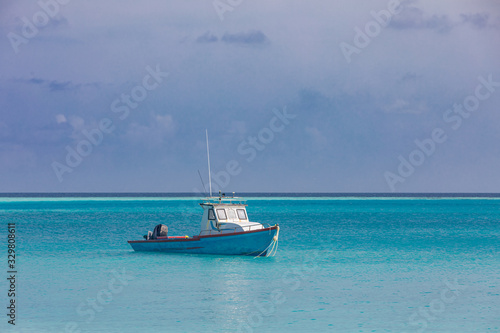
(365, 263)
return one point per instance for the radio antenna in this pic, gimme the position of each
(208, 156)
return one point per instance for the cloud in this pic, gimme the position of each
(478, 20)
(404, 106)
(34, 135)
(317, 137)
(313, 99)
(58, 22)
(398, 106)
(60, 118)
(78, 125)
(51, 25)
(55, 85)
(207, 37)
(60, 86)
(153, 134)
(409, 77)
(165, 122)
(36, 81)
(237, 130)
(414, 18)
(253, 37)
(52, 85)
(55, 23)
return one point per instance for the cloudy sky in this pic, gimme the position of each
(297, 96)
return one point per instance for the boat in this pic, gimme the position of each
(225, 229)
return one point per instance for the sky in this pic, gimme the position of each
(297, 96)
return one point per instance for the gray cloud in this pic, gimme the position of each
(313, 99)
(55, 85)
(60, 86)
(36, 81)
(414, 18)
(54, 24)
(409, 77)
(52, 85)
(207, 37)
(57, 22)
(478, 20)
(253, 37)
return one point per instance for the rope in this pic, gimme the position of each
(273, 245)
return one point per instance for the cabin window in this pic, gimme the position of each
(242, 214)
(231, 213)
(211, 215)
(221, 213)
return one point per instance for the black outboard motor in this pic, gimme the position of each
(160, 230)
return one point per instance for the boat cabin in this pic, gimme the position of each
(225, 215)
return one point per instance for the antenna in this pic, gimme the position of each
(208, 155)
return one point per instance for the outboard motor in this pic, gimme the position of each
(160, 230)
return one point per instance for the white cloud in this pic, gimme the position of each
(404, 106)
(60, 118)
(165, 123)
(318, 139)
(77, 123)
(152, 134)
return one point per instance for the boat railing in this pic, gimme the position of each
(231, 230)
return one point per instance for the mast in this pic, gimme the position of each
(208, 155)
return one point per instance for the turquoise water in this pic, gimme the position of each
(343, 265)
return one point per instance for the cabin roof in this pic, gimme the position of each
(223, 201)
(223, 204)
